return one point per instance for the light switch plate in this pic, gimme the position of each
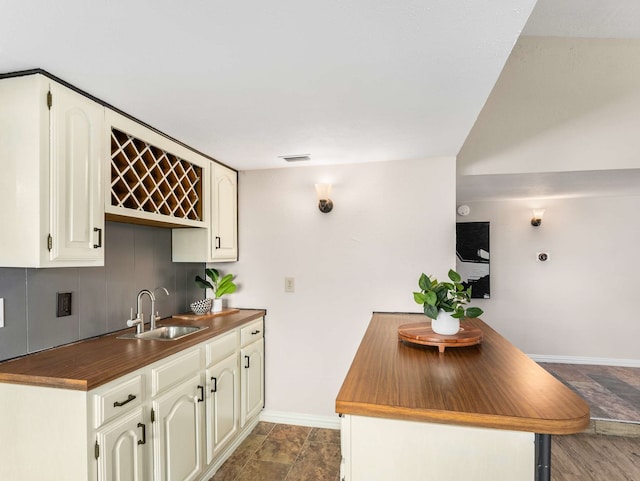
(1, 311)
(289, 284)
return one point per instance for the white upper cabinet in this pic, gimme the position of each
(224, 220)
(218, 243)
(51, 187)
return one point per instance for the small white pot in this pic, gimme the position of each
(445, 324)
(217, 305)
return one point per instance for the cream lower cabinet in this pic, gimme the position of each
(252, 371)
(223, 393)
(178, 432)
(222, 405)
(174, 420)
(124, 450)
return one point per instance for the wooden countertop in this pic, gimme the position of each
(491, 385)
(87, 364)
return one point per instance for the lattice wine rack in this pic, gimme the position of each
(149, 179)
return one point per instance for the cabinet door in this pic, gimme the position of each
(224, 208)
(178, 427)
(222, 405)
(252, 388)
(122, 449)
(77, 206)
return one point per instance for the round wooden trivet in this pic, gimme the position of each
(421, 333)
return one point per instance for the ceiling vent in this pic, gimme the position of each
(296, 158)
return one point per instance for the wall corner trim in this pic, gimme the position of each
(299, 419)
(596, 361)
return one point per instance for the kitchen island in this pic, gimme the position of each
(482, 412)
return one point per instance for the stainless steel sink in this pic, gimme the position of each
(164, 333)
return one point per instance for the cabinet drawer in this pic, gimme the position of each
(222, 347)
(174, 370)
(251, 332)
(113, 400)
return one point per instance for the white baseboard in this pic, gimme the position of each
(596, 361)
(299, 419)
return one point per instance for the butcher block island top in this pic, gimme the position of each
(87, 364)
(492, 385)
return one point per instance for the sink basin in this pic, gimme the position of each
(165, 333)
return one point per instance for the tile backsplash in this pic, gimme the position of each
(136, 257)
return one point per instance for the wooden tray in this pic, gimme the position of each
(190, 316)
(421, 333)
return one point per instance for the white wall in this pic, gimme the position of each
(583, 301)
(390, 222)
(560, 104)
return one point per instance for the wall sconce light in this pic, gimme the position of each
(536, 220)
(324, 202)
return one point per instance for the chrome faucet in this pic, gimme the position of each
(140, 314)
(139, 319)
(154, 313)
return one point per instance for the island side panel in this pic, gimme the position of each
(377, 449)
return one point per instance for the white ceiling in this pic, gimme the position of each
(566, 18)
(249, 81)
(585, 18)
(344, 81)
(548, 185)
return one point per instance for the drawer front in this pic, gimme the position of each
(252, 332)
(170, 372)
(222, 347)
(119, 398)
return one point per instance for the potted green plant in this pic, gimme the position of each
(219, 285)
(444, 302)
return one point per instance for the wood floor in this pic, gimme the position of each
(595, 457)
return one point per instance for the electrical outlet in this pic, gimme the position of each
(1, 311)
(64, 304)
(289, 284)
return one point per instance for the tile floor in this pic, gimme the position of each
(280, 452)
(612, 392)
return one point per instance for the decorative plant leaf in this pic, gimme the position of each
(430, 298)
(454, 276)
(203, 283)
(419, 297)
(213, 274)
(424, 283)
(225, 286)
(430, 311)
(474, 312)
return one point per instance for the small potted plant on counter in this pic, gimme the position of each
(218, 285)
(444, 302)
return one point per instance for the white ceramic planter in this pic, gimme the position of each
(445, 324)
(217, 305)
